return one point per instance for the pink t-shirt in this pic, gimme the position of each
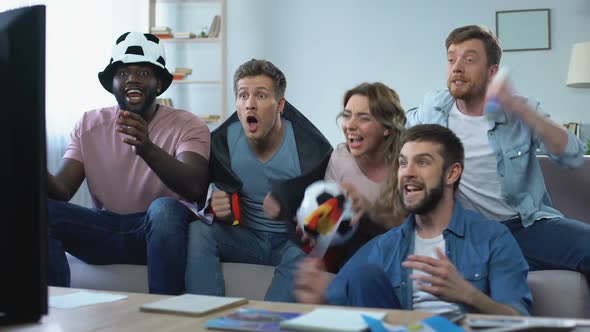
(343, 168)
(118, 180)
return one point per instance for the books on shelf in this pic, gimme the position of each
(181, 73)
(166, 33)
(215, 27)
(161, 32)
(574, 127)
(165, 101)
(184, 35)
(183, 70)
(210, 118)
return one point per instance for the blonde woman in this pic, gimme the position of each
(366, 164)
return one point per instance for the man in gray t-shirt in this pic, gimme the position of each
(256, 175)
(262, 146)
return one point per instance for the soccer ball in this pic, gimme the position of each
(324, 203)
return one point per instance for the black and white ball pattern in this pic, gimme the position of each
(315, 195)
(133, 47)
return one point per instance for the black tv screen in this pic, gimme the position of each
(23, 230)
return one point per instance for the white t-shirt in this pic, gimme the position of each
(422, 300)
(479, 189)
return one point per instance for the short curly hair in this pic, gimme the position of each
(257, 67)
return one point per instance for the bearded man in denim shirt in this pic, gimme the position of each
(442, 258)
(502, 178)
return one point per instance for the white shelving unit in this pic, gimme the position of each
(203, 92)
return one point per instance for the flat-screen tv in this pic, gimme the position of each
(23, 167)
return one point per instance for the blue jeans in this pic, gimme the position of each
(209, 245)
(157, 238)
(369, 286)
(551, 244)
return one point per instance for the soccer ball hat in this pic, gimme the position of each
(136, 47)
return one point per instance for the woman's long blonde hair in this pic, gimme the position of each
(385, 106)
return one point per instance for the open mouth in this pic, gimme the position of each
(412, 189)
(458, 82)
(134, 95)
(355, 141)
(252, 123)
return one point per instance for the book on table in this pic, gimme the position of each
(247, 319)
(331, 319)
(193, 305)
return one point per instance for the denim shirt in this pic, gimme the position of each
(484, 252)
(515, 145)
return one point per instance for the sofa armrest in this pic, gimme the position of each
(559, 293)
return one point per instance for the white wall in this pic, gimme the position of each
(324, 47)
(80, 36)
(328, 46)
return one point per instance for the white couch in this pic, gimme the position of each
(241, 280)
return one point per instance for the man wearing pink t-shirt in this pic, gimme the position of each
(138, 158)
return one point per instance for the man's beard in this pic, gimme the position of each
(430, 201)
(471, 92)
(148, 100)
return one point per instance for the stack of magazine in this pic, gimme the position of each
(245, 319)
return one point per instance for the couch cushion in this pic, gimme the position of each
(115, 277)
(247, 280)
(569, 189)
(559, 293)
(241, 280)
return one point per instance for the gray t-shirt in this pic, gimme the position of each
(256, 175)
